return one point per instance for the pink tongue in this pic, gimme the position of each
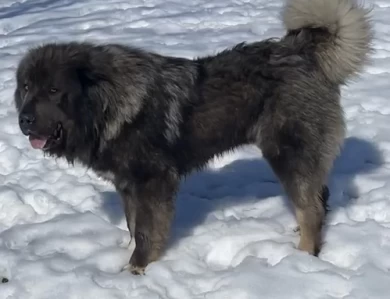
(37, 143)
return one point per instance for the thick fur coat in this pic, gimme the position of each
(143, 121)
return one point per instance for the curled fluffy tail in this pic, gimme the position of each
(346, 44)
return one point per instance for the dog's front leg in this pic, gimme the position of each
(149, 208)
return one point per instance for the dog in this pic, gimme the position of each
(143, 121)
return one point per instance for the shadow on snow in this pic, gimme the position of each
(252, 180)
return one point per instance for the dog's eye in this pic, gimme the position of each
(53, 90)
(25, 86)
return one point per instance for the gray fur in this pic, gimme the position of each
(144, 121)
(351, 34)
(173, 120)
(135, 80)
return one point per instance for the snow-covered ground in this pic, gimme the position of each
(63, 232)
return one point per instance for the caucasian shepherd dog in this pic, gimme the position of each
(143, 120)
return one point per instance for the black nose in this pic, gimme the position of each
(26, 120)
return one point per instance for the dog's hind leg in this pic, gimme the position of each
(310, 213)
(309, 197)
(302, 170)
(324, 199)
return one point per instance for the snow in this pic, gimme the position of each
(62, 229)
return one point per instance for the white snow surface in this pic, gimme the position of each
(62, 229)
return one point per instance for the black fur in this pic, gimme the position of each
(143, 121)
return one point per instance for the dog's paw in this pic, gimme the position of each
(297, 230)
(4, 280)
(134, 269)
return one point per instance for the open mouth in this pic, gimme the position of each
(44, 143)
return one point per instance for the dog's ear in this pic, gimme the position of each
(107, 94)
(98, 90)
(85, 76)
(89, 75)
(95, 80)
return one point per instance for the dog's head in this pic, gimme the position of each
(60, 98)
